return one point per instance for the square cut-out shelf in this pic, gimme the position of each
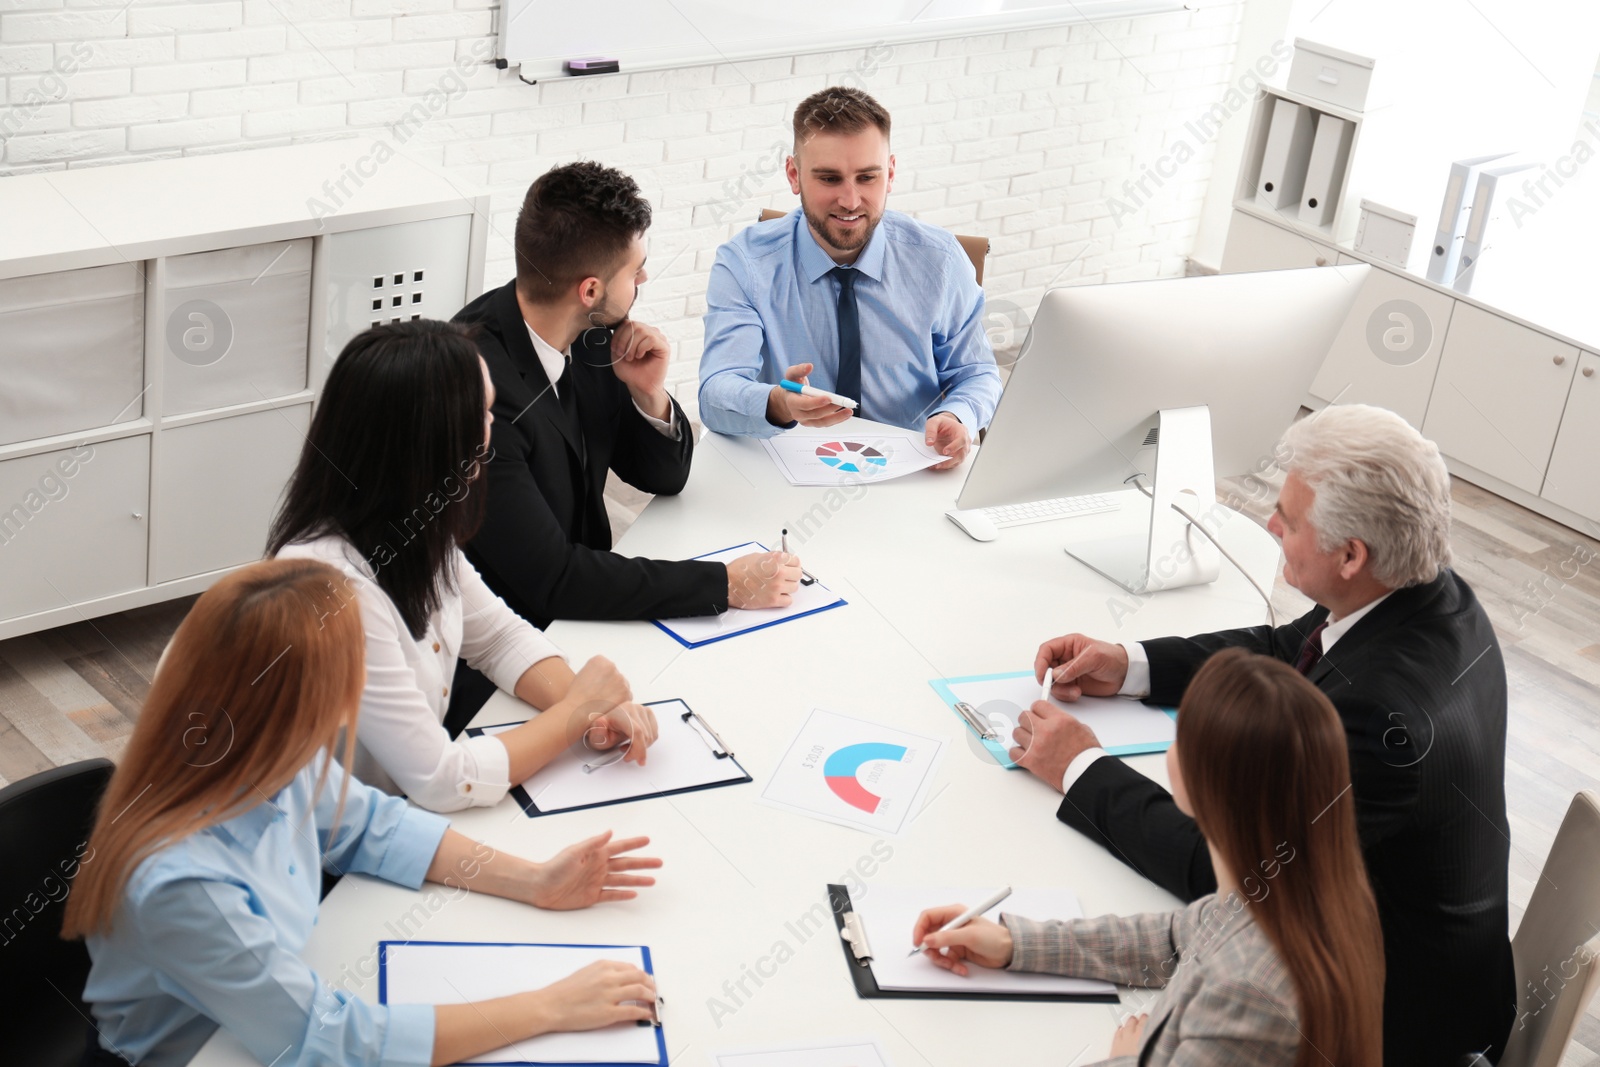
(397, 300)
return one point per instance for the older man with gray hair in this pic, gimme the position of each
(1407, 656)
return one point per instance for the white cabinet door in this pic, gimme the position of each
(217, 488)
(394, 274)
(1387, 352)
(1254, 244)
(1498, 398)
(73, 525)
(1573, 480)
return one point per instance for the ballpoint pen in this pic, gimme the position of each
(967, 916)
(1049, 680)
(783, 543)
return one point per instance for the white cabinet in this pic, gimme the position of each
(1573, 480)
(219, 483)
(1255, 244)
(1499, 396)
(1387, 351)
(179, 342)
(75, 524)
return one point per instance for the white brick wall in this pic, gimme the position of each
(1025, 137)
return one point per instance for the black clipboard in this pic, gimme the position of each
(718, 747)
(860, 966)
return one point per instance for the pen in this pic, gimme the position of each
(783, 543)
(811, 390)
(1044, 687)
(967, 916)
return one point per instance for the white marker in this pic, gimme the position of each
(965, 917)
(1044, 687)
(811, 390)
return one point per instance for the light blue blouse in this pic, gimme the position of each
(210, 929)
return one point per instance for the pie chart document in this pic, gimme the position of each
(853, 452)
(855, 773)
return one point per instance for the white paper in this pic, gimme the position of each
(852, 453)
(856, 1052)
(681, 758)
(702, 628)
(1121, 723)
(423, 973)
(855, 773)
(889, 914)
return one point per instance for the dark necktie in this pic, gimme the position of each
(848, 382)
(567, 395)
(1311, 652)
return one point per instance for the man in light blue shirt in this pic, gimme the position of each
(848, 296)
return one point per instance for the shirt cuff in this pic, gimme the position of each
(409, 1042)
(667, 428)
(1137, 683)
(493, 780)
(1079, 764)
(963, 412)
(412, 848)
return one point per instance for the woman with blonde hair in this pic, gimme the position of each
(203, 872)
(1283, 965)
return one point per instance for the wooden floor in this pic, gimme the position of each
(73, 693)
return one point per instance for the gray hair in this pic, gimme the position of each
(1378, 481)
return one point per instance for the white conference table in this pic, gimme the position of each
(925, 601)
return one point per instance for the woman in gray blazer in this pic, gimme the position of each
(1284, 963)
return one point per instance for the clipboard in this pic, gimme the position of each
(759, 618)
(644, 952)
(672, 715)
(996, 737)
(858, 960)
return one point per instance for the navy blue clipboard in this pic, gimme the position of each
(759, 547)
(644, 951)
(532, 810)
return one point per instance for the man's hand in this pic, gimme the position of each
(945, 435)
(1082, 665)
(590, 872)
(784, 407)
(1048, 739)
(763, 580)
(639, 357)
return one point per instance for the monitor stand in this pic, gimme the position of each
(1170, 553)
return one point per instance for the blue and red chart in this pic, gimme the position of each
(852, 457)
(842, 766)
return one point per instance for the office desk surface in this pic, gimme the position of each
(738, 923)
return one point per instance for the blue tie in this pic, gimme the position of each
(848, 382)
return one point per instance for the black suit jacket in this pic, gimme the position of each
(1421, 687)
(545, 545)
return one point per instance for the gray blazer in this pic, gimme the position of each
(1226, 999)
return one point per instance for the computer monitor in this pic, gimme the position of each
(1083, 410)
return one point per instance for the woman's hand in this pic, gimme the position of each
(1129, 1036)
(602, 994)
(632, 722)
(590, 872)
(597, 688)
(986, 943)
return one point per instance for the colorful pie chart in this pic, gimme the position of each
(852, 457)
(842, 765)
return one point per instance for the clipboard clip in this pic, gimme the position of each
(720, 749)
(979, 724)
(856, 934)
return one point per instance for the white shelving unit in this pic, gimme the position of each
(164, 330)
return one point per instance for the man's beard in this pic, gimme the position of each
(606, 317)
(846, 241)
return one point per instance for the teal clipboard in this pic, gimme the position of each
(999, 749)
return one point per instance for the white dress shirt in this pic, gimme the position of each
(402, 746)
(1137, 682)
(555, 365)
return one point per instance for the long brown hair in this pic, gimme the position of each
(1265, 762)
(263, 673)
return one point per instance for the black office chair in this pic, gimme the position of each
(44, 822)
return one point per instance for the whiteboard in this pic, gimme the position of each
(652, 34)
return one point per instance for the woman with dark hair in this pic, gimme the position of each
(388, 488)
(1284, 963)
(204, 879)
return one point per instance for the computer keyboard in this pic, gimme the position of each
(1063, 507)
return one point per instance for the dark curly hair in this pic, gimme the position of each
(576, 221)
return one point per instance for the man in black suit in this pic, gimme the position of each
(580, 390)
(1405, 652)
